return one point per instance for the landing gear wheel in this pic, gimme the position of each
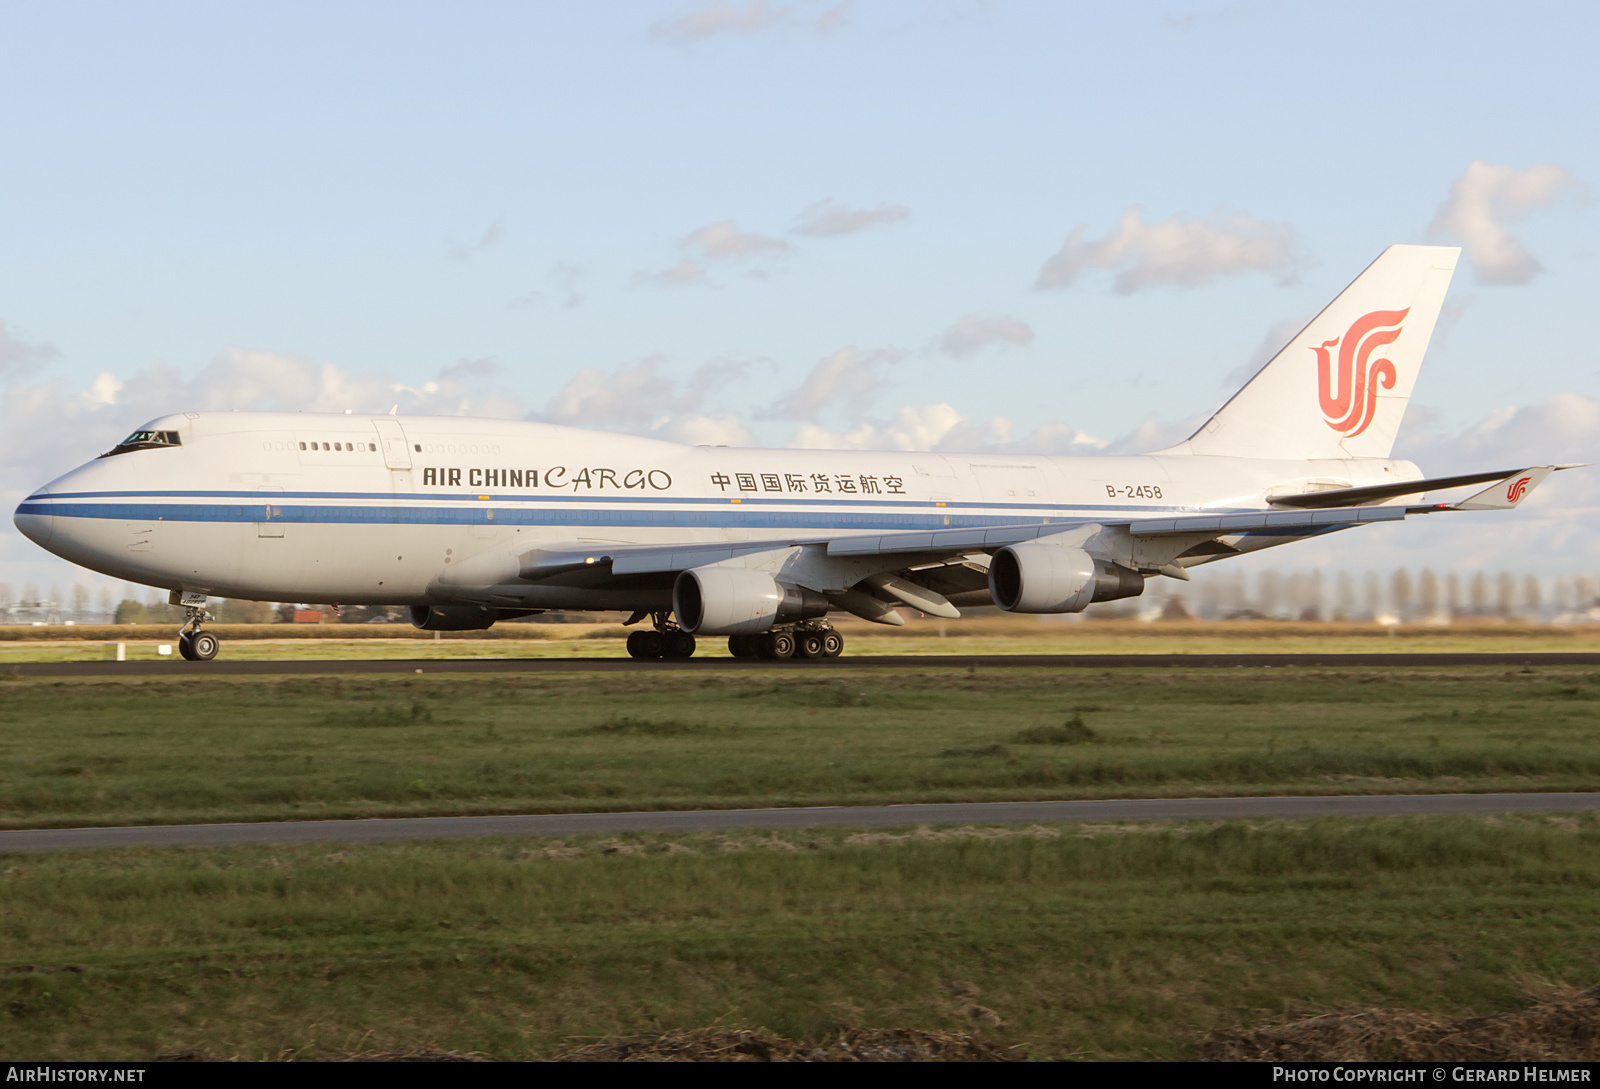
(741, 646)
(186, 646)
(639, 644)
(832, 644)
(679, 644)
(808, 644)
(202, 646)
(777, 645)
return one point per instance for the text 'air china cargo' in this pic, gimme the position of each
(469, 521)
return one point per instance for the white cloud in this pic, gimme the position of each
(638, 397)
(829, 219)
(466, 251)
(849, 378)
(1558, 429)
(697, 429)
(720, 241)
(942, 427)
(564, 278)
(1154, 433)
(105, 389)
(683, 274)
(724, 241)
(975, 332)
(714, 17)
(913, 428)
(1483, 200)
(1178, 252)
(16, 355)
(1277, 336)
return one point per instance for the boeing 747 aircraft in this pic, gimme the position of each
(469, 521)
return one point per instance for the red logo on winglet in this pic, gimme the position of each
(1518, 489)
(1350, 398)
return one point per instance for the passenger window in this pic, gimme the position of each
(302, 446)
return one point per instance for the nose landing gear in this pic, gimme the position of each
(196, 645)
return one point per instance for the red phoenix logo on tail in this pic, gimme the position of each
(1517, 489)
(1350, 398)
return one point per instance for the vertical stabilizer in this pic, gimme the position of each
(1339, 388)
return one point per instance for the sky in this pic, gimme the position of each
(1061, 228)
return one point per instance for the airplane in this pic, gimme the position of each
(469, 521)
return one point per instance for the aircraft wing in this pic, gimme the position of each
(1209, 525)
(896, 565)
(668, 559)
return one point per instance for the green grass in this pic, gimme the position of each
(975, 634)
(1106, 942)
(74, 752)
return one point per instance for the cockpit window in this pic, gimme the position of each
(144, 440)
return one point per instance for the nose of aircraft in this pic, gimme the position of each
(31, 519)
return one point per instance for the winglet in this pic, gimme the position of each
(1506, 493)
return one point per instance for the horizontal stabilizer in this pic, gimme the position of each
(1355, 497)
(1507, 492)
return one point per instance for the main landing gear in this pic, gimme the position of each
(194, 644)
(666, 641)
(812, 639)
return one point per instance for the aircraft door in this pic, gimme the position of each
(396, 452)
(392, 440)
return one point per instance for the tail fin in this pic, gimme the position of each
(1340, 387)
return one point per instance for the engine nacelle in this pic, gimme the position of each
(738, 601)
(1034, 577)
(452, 617)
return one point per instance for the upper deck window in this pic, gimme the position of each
(144, 440)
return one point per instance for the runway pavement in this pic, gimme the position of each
(300, 667)
(728, 820)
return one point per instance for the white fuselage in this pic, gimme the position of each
(355, 509)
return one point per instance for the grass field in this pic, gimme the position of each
(132, 751)
(1121, 942)
(976, 635)
(1116, 941)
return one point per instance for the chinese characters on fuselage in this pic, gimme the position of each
(810, 483)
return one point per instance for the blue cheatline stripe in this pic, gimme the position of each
(719, 518)
(718, 500)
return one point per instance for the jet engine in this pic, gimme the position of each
(1035, 577)
(462, 617)
(452, 617)
(739, 601)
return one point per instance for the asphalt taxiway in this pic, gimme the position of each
(728, 820)
(300, 667)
